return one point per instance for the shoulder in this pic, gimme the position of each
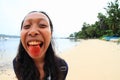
(63, 66)
(14, 65)
(62, 62)
(14, 62)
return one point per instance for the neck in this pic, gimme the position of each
(40, 65)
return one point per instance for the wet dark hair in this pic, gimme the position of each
(25, 67)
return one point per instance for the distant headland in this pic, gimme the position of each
(4, 36)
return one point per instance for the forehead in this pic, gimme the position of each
(36, 16)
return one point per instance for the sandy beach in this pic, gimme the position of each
(93, 60)
(90, 60)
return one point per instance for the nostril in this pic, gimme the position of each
(33, 33)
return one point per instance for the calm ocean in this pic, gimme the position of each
(8, 49)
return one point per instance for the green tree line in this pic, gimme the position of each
(107, 25)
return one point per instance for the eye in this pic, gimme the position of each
(26, 26)
(42, 25)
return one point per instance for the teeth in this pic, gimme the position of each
(33, 43)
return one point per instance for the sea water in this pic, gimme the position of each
(9, 47)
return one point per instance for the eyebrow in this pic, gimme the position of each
(30, 20)
(40, 19)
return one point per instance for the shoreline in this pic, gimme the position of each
(92, 59)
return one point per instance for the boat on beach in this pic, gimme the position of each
(111, 38)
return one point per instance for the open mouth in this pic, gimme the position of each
(35, 43)
(34, 47)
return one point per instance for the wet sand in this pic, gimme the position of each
(7, 74)
(90, 60)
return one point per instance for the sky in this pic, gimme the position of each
(67, 16)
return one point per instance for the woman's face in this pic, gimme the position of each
(36, 34)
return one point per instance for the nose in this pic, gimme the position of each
(33, 32)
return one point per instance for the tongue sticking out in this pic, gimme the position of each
(34, 50)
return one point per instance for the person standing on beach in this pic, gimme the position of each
(36, 59)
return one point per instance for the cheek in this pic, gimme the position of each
(22, 37)
(47, 36)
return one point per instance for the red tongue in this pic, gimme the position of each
(34, 50)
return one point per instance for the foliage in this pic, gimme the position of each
(107, 25)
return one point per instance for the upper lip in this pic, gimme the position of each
(34, 42)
